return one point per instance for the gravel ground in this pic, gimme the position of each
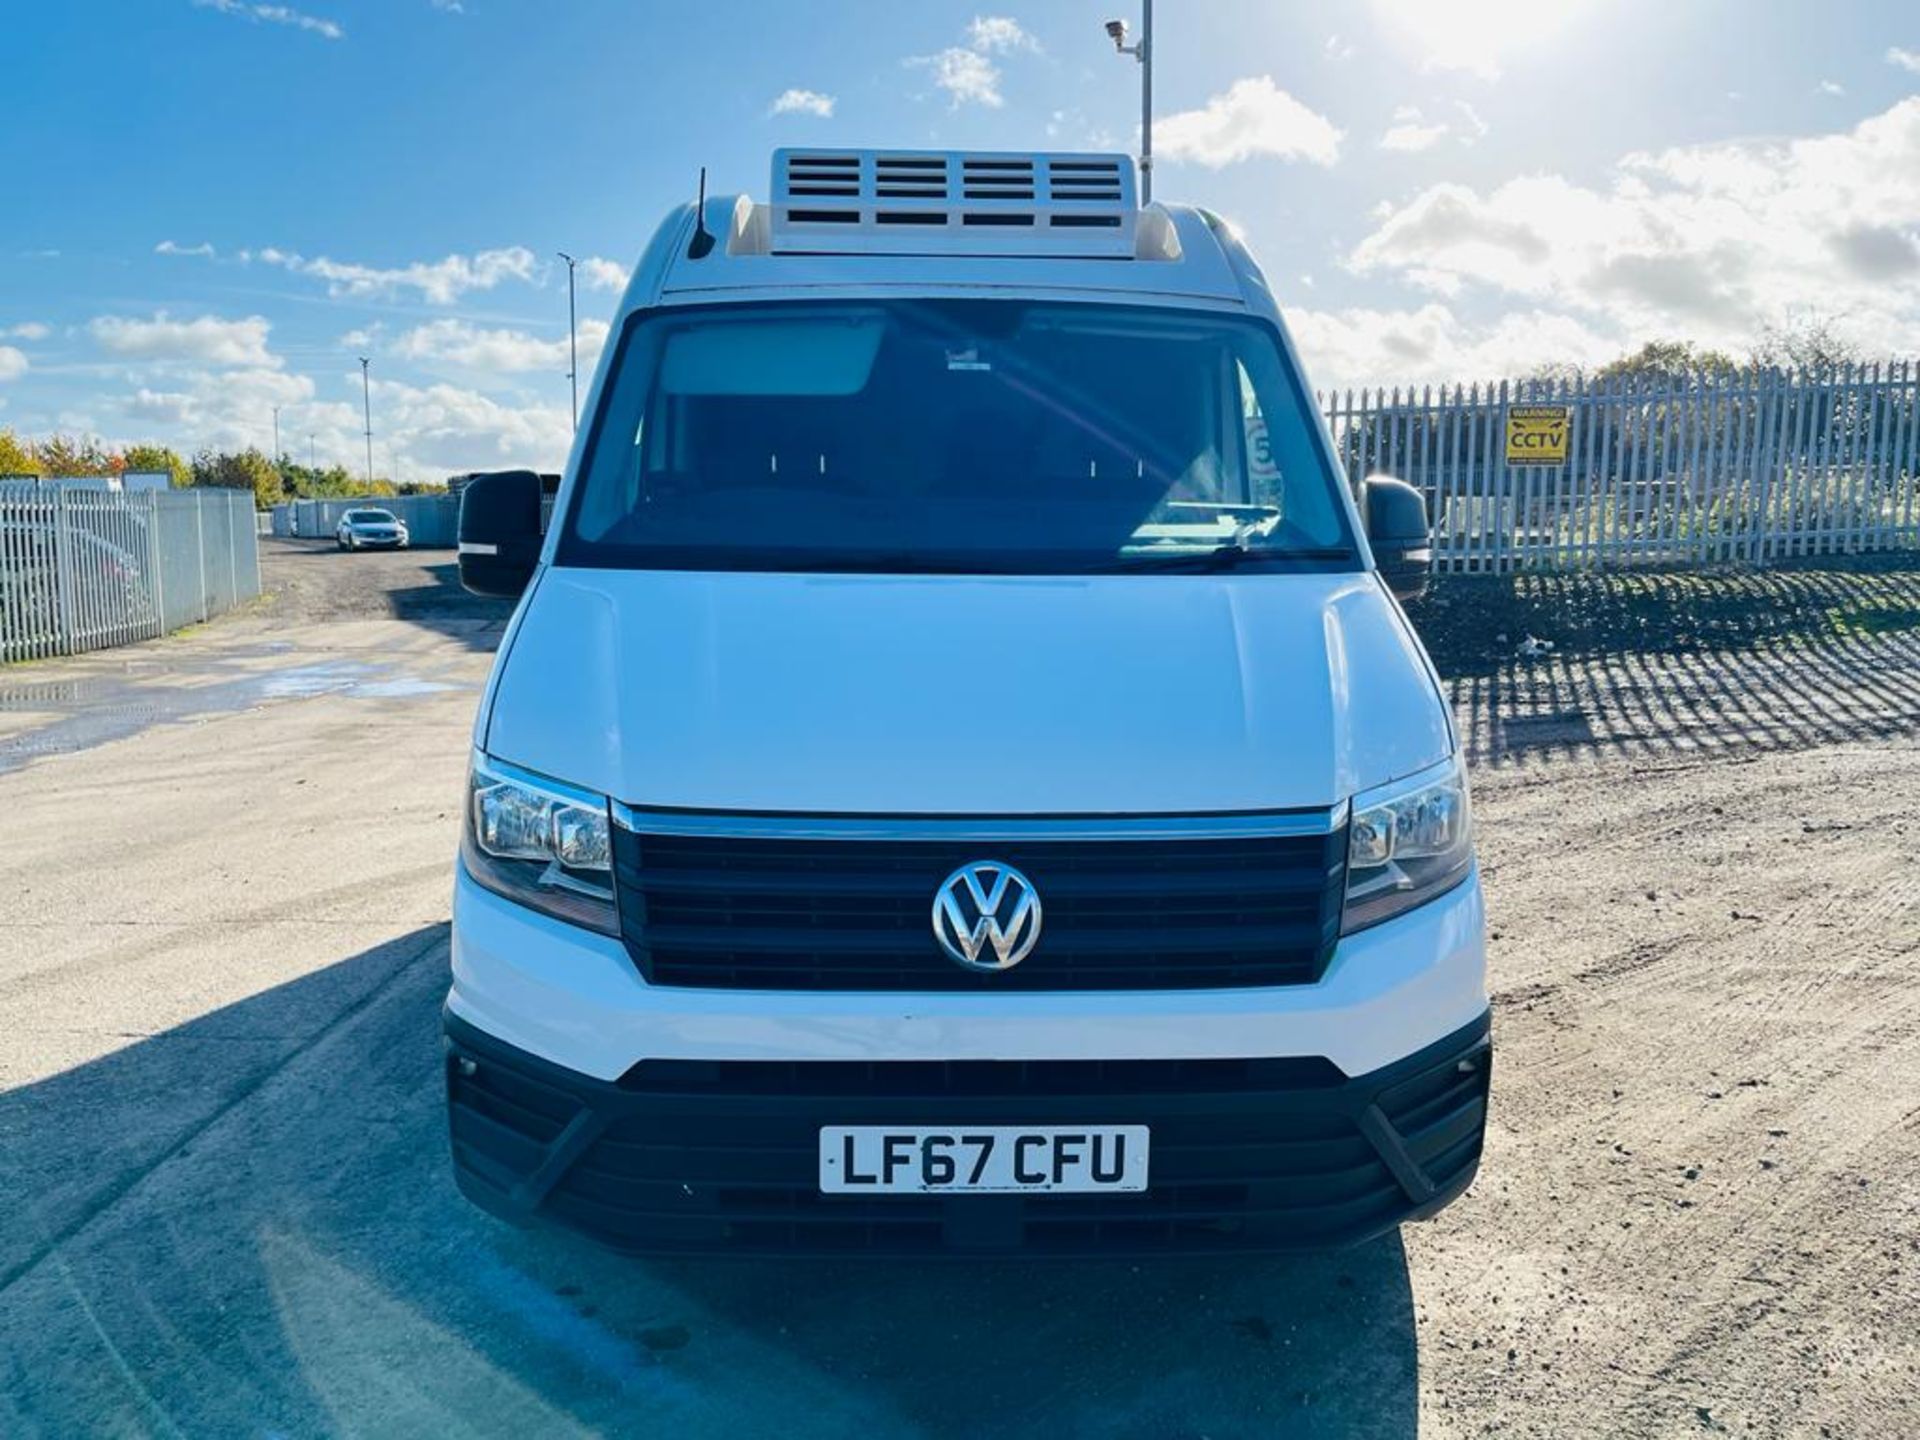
(220, 1132)
(312, 582)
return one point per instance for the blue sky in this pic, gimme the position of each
(218, 204)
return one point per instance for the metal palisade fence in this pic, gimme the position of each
(1755, 466)
(83, 569)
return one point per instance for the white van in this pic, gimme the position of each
(958, 776)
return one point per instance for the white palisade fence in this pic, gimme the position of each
(82, 569)
(1754, 467)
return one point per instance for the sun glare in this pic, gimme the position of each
(1482, 36)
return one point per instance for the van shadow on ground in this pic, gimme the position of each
(314, 582)
(439, 603)
(246, 1225)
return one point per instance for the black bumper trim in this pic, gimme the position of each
(717, 1158)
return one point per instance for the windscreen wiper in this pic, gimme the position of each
(1219, 557)
(879, 562)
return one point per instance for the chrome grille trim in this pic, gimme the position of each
(981, 829)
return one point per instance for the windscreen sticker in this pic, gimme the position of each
(967, 359)
(1260, 466)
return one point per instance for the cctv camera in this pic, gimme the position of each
(1117, 29)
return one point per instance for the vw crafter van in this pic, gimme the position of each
(958, 776)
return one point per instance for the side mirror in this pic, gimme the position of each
(500, 532)
(1396, 517)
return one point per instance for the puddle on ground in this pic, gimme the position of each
(404, 689)
(303, 682)
(96, 709)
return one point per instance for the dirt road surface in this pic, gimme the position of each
(222, 1164)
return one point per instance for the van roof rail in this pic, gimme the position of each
(952, 202)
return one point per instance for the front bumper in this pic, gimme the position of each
(720, 1156)
(576, 998)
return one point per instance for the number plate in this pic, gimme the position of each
(982, 1159)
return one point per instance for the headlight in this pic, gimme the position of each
(1406, 843)
(540, 843)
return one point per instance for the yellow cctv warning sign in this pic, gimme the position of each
(1537, 434)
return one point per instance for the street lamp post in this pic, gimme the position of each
(1142, 51)
(310, 464)
(366, 399)
(276, 434)
(573, 344)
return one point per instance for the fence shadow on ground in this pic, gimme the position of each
(1658, 664)
(246, 1224)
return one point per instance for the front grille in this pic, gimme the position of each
(979, 1079)
(724, 1156)
(773, 913)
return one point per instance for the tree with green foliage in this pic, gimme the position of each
(61, 456)
(247, 469)
(75, 455)
(335, 482)
(158, 459)
(16, 456)
(1811, 342)
(1660, 361)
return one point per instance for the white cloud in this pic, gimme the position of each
(169, 247)
(275, 15)
(442, 429)
(502, 351)
(802, 102)
(1433, 345)
(13, 364)
(439, 281)
(998, 34)
(1254, 117)
(206, 340)
(1879, 253)
(1409, 135)
(597, 273)
(27, 330)
(967, 76)
(1708, 242)
(1412, 132)
(228, 409)
(232, 409)
(169, 407)
(1832, 87)
(1905, 59)
(420, 432)
(1338, 47)
(965, 72)
(1411, 139)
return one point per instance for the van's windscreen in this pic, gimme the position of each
(966, 435)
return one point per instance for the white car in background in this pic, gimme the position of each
(369, 530)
